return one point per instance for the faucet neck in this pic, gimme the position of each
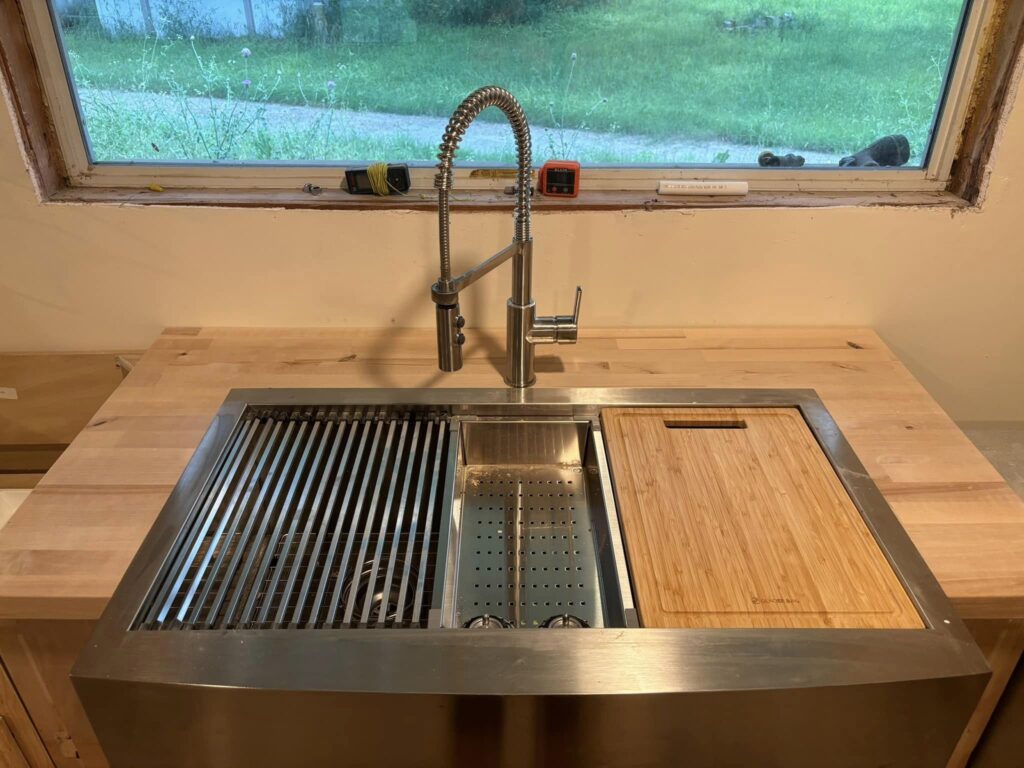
(522, 275)
(461, 119)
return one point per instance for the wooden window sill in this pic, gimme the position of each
(484, 201)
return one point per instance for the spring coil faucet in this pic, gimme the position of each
(524, 328)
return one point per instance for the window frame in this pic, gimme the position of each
(986, 23)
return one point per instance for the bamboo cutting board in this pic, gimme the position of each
(735, 518)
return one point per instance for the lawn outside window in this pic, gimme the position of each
(248, 101)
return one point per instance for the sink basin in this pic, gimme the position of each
(337, 557)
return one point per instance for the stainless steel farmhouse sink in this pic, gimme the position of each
(386, 577)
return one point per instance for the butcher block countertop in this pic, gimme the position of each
(66, 548)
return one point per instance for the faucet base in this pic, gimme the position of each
(519, 371)
(516, 385)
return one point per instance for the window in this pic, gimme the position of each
(798, 94)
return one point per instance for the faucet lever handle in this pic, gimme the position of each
(576, 308)
(557, 329)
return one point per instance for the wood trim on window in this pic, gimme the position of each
(22, 90)
(990, 102)
(22, 86)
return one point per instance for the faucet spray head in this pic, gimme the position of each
(450, 337)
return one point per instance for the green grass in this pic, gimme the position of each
(847, 73)
(144, 132)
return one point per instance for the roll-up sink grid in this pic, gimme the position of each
(313, 518)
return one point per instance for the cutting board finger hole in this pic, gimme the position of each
(715, 424)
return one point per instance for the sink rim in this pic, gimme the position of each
(454, 662)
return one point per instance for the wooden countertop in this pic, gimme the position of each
(66, 548)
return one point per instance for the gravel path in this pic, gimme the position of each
(484, 137)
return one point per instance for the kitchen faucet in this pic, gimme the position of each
(524, 329)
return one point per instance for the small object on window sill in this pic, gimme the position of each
(513, 189)
(313, 189)
(560, 178)
(769, 159)
(155, 188)
(703, 188)
(378, 179)
(888, 152)
(496, 173)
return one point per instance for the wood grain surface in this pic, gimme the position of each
(47, 400)
(11, 755)
(733, 517)
(20, 744)
(67, 546)
(38, 656)
(1002, 642)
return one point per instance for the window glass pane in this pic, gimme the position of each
(710, 82)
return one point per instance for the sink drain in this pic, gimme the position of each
(565, 621)
(488, 622)
(356, 591)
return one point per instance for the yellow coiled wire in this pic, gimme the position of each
(378, 173)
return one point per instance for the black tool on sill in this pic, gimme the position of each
(380, 179)
(888, 151)
(769, 159)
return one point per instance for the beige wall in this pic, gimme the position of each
(946, 291)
